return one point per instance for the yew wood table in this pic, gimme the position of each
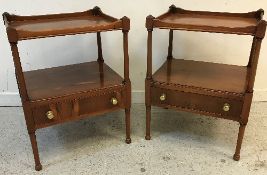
(212, 89)
(60, 94)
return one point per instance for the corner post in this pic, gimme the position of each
(99, 47)
(254, 54)
(125, 31)
(25, 101)
(149, 26)
(170, 48)
(19, 72)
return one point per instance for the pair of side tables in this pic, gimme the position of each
(66, 93)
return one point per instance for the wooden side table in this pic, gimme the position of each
(60, 94)
(212, 89)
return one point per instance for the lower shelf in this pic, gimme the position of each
(68, 80)
(203, 77)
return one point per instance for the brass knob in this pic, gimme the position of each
(114, 101)
(226, 107)
(50, 115)
(162, 97)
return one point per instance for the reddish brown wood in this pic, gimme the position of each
(29, 27)
(60, 94)
(67, 80)
(235, 23)
(38, 165)
(149, 25)
(170, 44)
(99, 47)
(212, 89)
(241, 132)
(18, 72)
(202, 104)
(127, 82)
(203, 75)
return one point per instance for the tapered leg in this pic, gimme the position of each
(241, 132)
(148, 121)
(128, 126)
(38, 165)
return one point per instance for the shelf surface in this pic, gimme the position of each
(236, 23)
(28, 27)
(67, 80)
(214, 76)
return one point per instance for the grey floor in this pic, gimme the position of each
(182, 143)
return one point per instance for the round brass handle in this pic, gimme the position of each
(226, 107)
(162, 97)
(50, 115)
(114, 101)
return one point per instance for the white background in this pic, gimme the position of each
(50, 52)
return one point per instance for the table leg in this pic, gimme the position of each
(38, 165)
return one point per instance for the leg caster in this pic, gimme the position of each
(128, 140)
(38, 165)
(241, 132)
(148, 137)
(148, 121)
(128, 126)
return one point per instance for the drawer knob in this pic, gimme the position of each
(226, 107)
(114, 101)
(162, 97)
(50, 115)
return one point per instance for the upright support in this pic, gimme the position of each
(254, 54)
(19, 72)
(125, 30)
(252, 67)
(99, 46)
(253, 62)
(149, 26)
(100, 59)
(170, 48)
(24, 98)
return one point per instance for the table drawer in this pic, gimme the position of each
(203, 104)
(76, 108)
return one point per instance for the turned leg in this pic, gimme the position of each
(38, 165)
(236, 156)
(148, 121)
(128, 126)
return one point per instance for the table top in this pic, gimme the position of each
(218, 22)
(29, 27)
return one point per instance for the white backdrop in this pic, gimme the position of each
(50, 52)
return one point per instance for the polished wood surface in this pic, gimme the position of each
(212, 89)
(204, 75)
(202, 104)
(60, 94)
(90, 106)
(27, 27)
(70, 79)
(237, 23)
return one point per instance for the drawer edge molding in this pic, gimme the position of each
(197, 90)
(196, 111)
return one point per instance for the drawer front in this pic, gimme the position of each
(64, 111)
(203, 104)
